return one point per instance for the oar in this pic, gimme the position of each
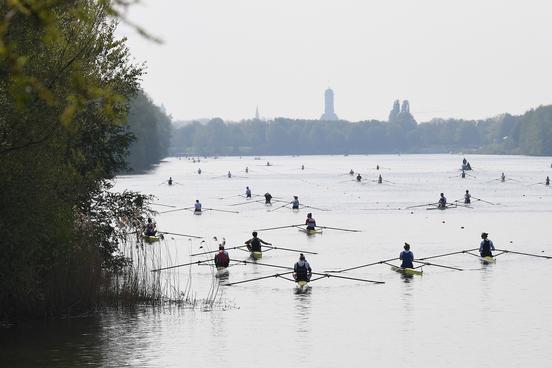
(288, 249)
(278, 227)
(248, 202)
(438, 265)
(178, 209)
(338, 228)
(182, 265)
(258, 278)
(524, 254)
(482, 200)
(534, 184)
(324, 275)
(315, 208)
(237, 195)
(491, 180)
(448, 254)
(163, 205)
(216, 251)
(422, 205)
(365, 265)
(277, 208)
(185, 235)
(262, 264)
(214, 209)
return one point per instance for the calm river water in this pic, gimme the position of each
(484, 316)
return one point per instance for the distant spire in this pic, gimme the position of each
(257, 116)
(329, 113)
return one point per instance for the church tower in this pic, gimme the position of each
(329, 114)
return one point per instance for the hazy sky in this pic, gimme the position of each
(465, 59)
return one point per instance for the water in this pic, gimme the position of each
(484, 316)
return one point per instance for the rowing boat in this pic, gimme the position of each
(407, 271)
(256, 255)
(310, 231)
(198, 212)
(151, 238)
(301, 286)
(487, 260)
(222, 272)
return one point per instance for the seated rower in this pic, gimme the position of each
(547, 181)
(463, 175)
(302, 167)
(254, 244)
(170, 181)
(295, 203)
(486, 246)
(407, 257)
(351, 172)
(442, 201)
(246, 169)
(247, 192)
(197, 206)
(377, 167)
(229, 174)
(358, 178)
(268, 198)
(222, 259)
(151, 228)
(310, 222)
(380, 180)
(302, 270)
(503, 177)
(199, 171)
(467, 197)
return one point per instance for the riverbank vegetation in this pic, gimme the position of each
(530, 134)
(65, 86)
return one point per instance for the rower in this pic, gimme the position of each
(503, 177)
(380, 179)
(199, 171)
(302, 270)
(464, 162)
(486, 246)
(268, 198)
(170, 181)
(310, 222)
(463, 175)
(222, 259)
(467, 197)
(353, 173)
(254, 244)
(302, 167)
(358, 178)
(295, 203)
(229, 174)
(442, 201)
(151, 228)
(267, 163)
(246, 169)
(377, 167)
(197, 206)
(407, 257)
(247, 193)
(547, 181)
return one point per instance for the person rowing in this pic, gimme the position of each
(150, 228)
(302, 167)
(295, 203)
(310, 222)
(380, 179)
(247, 193)
(229, 174)
(197, 206)
(463, 175)
(486, 246)
(302, 270)
(254, 244)
(268, 198)
(170, 181)
(246, 169)
(222, 259)
(358, 178)
(502, 177)
(407, 257)
(547, 181)
(464, 162)
(442, 204)
(351, 172)
(467, 197)
(377, 167)
(199, 171)
(268, 163)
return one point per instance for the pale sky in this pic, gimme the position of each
(464, 59)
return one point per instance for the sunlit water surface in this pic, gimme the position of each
(484, 316)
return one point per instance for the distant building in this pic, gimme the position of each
(400, 115)
(257, 116)
(329, 114)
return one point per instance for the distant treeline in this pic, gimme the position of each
(529, 134)
(151, 130)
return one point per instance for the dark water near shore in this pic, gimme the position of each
(484, 316)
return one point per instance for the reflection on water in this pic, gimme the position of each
(444, 316)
